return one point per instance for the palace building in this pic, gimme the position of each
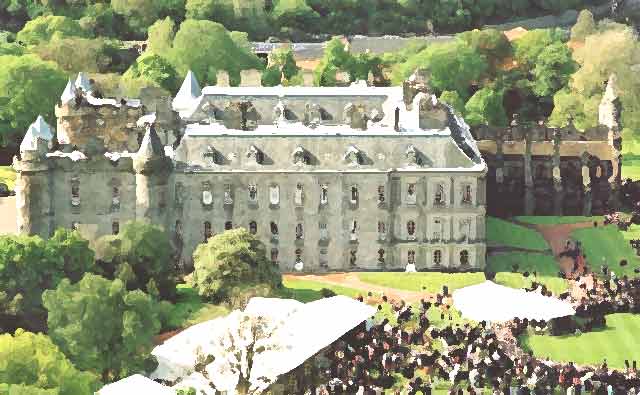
(345, 178)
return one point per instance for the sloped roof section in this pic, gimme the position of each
(39, 130)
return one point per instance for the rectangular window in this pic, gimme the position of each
(298, 195)
(228, 198)
(274, 195)
(466, 194)
(381, 199)
(439, 198)
(411, 194)
(253, 193)
(324, 194)
(324, 232)
(354, 194)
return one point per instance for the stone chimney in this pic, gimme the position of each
(222, 78)
(251, 77)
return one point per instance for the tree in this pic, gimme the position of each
(337, 58)
(29, 87)
(160, 36)
(248, 337)
(220, 11)
(232, 258)
(452, 66)
(33, 364)
(552, 70)
(155, 71)
(491, 43)
(76, 54)
(30, 265)
(585, 25)
(453, 99)
(139, 14)
(102, 327)
(485, 108)
(146, 250)
(216, 51)
(527, 49)
(295, 14)
(49, 27)
(281, 64)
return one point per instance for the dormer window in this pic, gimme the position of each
(354, 194)
(298, 195)
(212, 156)
(300, 156)
(353, 156)
(466, 194)
(255, 155)
(411, 194)
(411, 230)
(324, 194)
(253, 193)
(412, 155)
(439, 199)
(381, 198)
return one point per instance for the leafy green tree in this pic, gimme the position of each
(30, 265)
(491, 43)
(452, 66)
(271, 76)
(155, 70)
(216, 51)
(101, 20)
(573, 108)
(295, 14)
(32, 364)
(160, 36)
(453, 99)
(585, 25)
(46, 28)
(146, 249)
(220, 11)
(76, 54)
(337, 58)
(29, 87)
(527, 49)
(282, 64)
(102, 327)
(485, 108)
(552, 70)
(139, 14)
(229, 259)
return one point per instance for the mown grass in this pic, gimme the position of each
(430, 282)
(607, 242)
(544, 265)
(8, 176)
(501, 233)
(308, 291)
(189, 309)
(617, 342)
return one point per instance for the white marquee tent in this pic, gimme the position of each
(301, 330)
(496, 303)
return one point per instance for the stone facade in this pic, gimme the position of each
(349, 178)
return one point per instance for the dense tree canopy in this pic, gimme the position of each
(485, 108)
(232, 258)
(29, 265)
(31, 364)
(102, 327)
(152, 70)
(29, 87)
(49, 27)
(139, 254)
(337, 58)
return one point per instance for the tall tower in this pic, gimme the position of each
(153, 169)
(34, 182)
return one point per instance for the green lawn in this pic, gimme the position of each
(189, 309)
(308, 291)
(432, 282)
(501, 233)
(556, 220)
(545, 265)
(615, 343)
(631, 168)
(610, 243)
(8, 176)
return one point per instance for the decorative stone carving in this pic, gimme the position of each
(255, 155)
(212, 155)
(279, 113)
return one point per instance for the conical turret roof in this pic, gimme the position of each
(151, 146)
(69, 93)
(189, 91)
(38, 130)
(82, 81)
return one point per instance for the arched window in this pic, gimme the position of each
(381, 256)
(466, 194)
(437, 257)
(115, 227)
(299, 232)
(274, 228)
(298, 255)
(464, 257)
(207, 230)
(324, 194)
(274, 255)
(411, 257)
(411, 228)
(253, 227)
(253, 192)
(353, 258)
(411, 194)
(228, 225)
